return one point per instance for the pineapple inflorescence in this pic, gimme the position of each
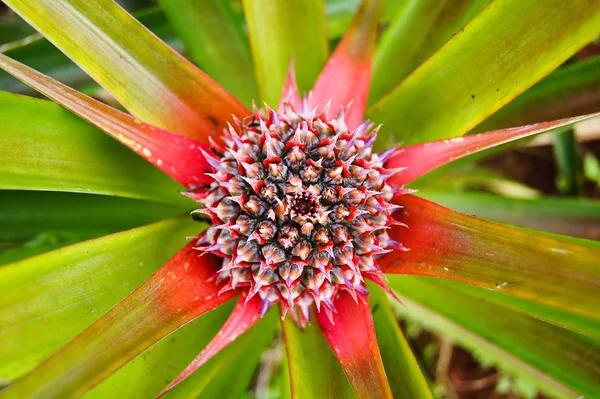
(300, 208)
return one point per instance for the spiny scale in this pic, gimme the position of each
(299, 206)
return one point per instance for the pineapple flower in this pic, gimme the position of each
(303, 212)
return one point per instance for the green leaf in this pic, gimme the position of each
(25, 214)
(44, 242)
(559, 317)
(314, 370)
(274, 28)
(571, 90)
(573, 217)
(569, 179)
(419, 29)
(550, 355)
(44, 147)
(591, 168)
(215, 41)
(341, 12)
(66, 290)
(12, 27)
(151, 80)
(41, 55)
(401, 367)
(503, 51)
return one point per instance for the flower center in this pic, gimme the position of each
(302, 209)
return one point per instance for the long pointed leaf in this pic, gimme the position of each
(422, 158)
(313, 368)
(183, 289)
(448, 244)
(405, 376)
(26, 213)
(245, 364)
(275, 27)
(551, 356)
(147, 374)
(44, 147)
(569, 91)
(347, 75)
(68, 289)
(150, 79)
(215, 42)
(241, 358)
(38, 53)
(352, 337)
(179, 157)
(416, 31)
(507, 48)
(577, 217)
(244, 315)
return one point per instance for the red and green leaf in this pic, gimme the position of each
(245, 314)
(45, 147)
(347, 75)
(503, 51)
(422, 158)
(182, 290)
(178, 156)
(97, 273)
(151, 80)
(314, 370)
(451, 245)
(351, 334)
(274, 27)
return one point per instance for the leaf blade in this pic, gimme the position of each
(33, 294)
(447, 244)
(47, 148)
(306, 349)
(422, 158)
(452, 84)
(175, 295)
(177, 156)
(403, 371)
(215, 42)
(152, 81)
(273, 27)
(416, 31)
(347, 74)
(568, 216)
(558, 359)
(351, 334)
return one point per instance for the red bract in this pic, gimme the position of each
(302, 212)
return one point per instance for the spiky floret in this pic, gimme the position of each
(300, 208)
